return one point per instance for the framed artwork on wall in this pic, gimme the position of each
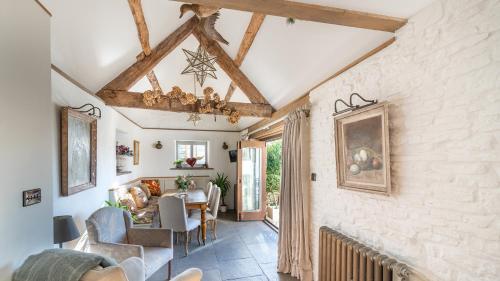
(362, 150)
(78, 151)
(136, 152)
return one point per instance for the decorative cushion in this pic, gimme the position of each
(128, 201)
(154, 187)
(145, 188)
(140, 198)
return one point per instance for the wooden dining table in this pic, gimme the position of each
(196, 200)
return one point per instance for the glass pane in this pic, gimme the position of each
(200, 151)
(183, 151)
(251, 179)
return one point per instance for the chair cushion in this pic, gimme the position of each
(196, 215)
(140, 198)
(192, 223)
(155, 258)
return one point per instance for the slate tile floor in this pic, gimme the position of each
(243, 251)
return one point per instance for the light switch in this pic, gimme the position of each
(32, 196)
(313, 177)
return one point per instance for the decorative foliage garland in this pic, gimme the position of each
(233, 116)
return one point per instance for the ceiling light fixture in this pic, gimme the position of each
(200, 64)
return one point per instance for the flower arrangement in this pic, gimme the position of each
(124, 150)
(183, 182)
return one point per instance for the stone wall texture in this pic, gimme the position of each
(442, 79)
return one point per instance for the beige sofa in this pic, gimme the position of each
(149, 215)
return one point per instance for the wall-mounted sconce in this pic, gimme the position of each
(90, 109)
(225, 146)
(158, 145)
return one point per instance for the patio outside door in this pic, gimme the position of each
(251, 186)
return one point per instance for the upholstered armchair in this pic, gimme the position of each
(111, 233)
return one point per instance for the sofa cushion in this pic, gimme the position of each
(145, 188)
(154, 187)
(155, 257)
(148, 214)
(128, 201)
(140, 198)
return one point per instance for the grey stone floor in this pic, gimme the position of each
(245, 251)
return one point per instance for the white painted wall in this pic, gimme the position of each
(442, 79)
(156, 162)
(25, 132)
(82, 204)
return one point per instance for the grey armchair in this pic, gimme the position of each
(111, 233)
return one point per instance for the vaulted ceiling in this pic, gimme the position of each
(93, 41)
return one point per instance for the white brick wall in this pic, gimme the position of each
(442, 78)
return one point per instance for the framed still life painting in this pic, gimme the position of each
(362, 150)
(78, 151)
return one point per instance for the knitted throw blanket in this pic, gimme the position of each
(59, 265)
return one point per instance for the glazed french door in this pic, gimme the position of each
(251, 183)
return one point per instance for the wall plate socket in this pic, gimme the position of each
(32, 196)
(313, 177)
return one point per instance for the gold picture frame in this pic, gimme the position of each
(362, 150)
(136, 152)
(78, 151)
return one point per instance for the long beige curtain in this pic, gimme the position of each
(294, 254)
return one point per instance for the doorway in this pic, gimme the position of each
(273, 181)
(250, 190)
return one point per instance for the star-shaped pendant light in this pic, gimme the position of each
(200, 63)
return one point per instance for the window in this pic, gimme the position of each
(189, 149)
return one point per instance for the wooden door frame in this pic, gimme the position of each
(240, 215)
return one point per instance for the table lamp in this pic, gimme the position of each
(64, 230)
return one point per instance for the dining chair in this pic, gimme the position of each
(173, 216)
(209, 190)
(211, 214)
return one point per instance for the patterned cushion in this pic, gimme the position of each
(128, 201)
(145, 188)
(154, 187)
(147, 215)
(140, 198)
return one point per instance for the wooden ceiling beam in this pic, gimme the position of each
(229, 66)
(134, 100)
(140, 22)
(309, 12)
(143, 33)
(139, 69)
(247, 41)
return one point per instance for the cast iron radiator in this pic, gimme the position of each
(344, 259)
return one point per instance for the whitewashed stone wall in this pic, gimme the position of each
(442, 79)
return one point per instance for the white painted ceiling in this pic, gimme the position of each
(94, 40)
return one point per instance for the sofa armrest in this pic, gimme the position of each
(119, 252)
(114, 273)
(192, 274)
(151, 237)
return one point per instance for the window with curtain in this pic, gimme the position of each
(190, 149)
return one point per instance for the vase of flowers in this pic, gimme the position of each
(183, 183)
(123, 154)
